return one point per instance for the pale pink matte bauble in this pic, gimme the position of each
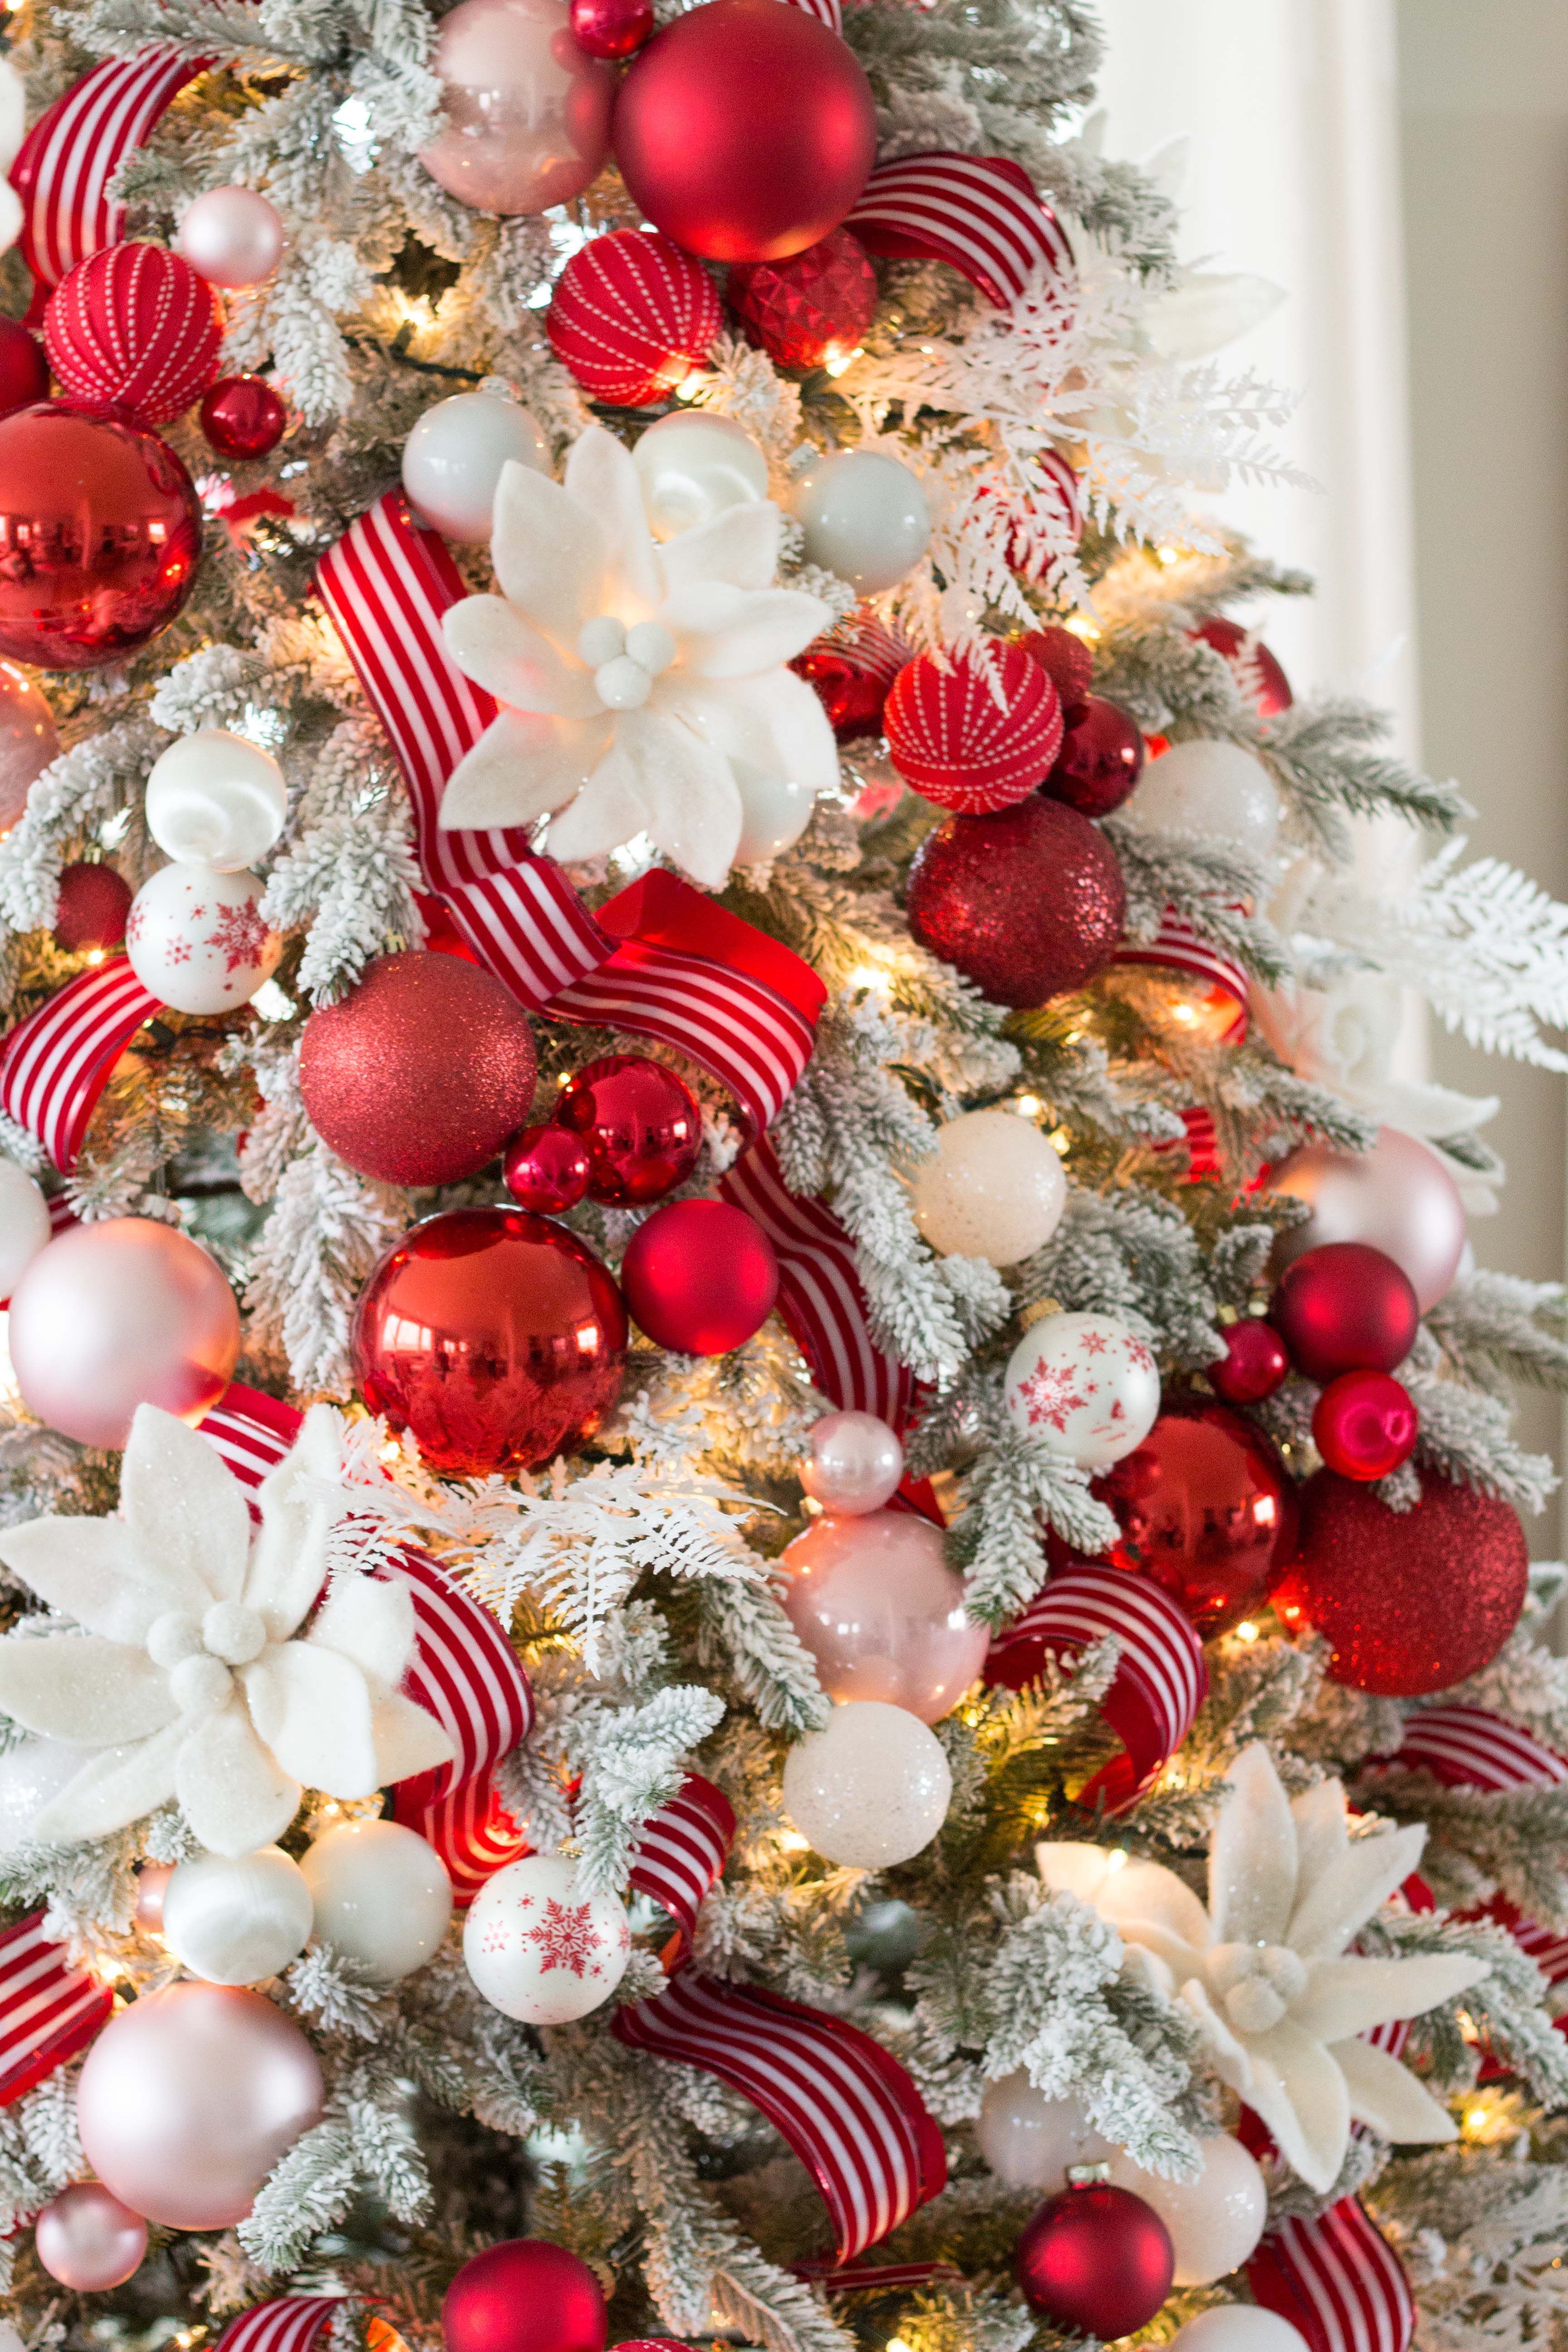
(882, 1613)
(190, 2097)
(855, 1462)
(88, 2240)
(527, 111)
(232, 236)
(1398, 1198)
(119, 1314)
(27, 741)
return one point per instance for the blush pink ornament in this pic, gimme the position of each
(188, 2099)
(119, 1314)
(88, 2240)
(151, 1885)
(528, 112)
(877, 1605)
(27, 741)
(231, 236)
(1398, 1198)
(854, 1463)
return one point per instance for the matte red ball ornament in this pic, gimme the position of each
(811, 308)
(243, 417)
(546, 1169)
(525, 2294)
(1066, 661)
(700, 1277)
(1409, 1602)
(632, 315)
(951, 738)
(24, 370)
(93, 904)
(496, 1337)
(135, 325)
(611, 29)
(1100, 759)
(100, 534)
(1254, 1363)
(745, 131)
(1098, 2261)
(851, 669)
(640, 1123)
(1207, 1509)
(1258, 672)
(1344, 1307)
(421, 1072)
(1028, 903)
(1365, 1425)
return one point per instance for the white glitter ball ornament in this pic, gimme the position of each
(993, 1188)
(871, 1787)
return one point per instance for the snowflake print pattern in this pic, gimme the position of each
(241, 936)
(566, 1938)
(1050, 1392)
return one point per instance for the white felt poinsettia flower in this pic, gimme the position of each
(1265, 1969)
(190, 1676)
(638, 684)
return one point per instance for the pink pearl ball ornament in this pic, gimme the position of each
(1398, 1198)
(854, 1463)
(232, 236)
(88, 2240)
(877, 1605)
(527, 113)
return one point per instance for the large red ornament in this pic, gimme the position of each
(135, 325)
(632, 316)
(421, 1072)
(546, 1169)
(1097, 2260)
(525, 2294)
(1207, 1509)
(1364, 1425)
(496, 1337)
(1258, 672)
(745, 131)
(94, 902)
(100, 534)
(640, 1123)
(811, 308)
(1254, 1365)
(1344, 1307)
(1066, 661)
(243, 417)
(611, 29)
(1409, 1602)
(951, 738)
(24, 370)
(1029, 903)
(851, 669)
(701, 1276)
(1100, 759)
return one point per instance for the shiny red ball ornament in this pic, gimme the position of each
(93, 904)
(639, 1124)
(525, 2295)
(850, 669)
(1365, 1425)
(951, 738)
(1096, 2261)
(632, 315)
(24, 370)
(1344, 1307)
(1254, 1365)
(1409, 1602)
(420, 1073)
(745, 131)
(1028, 903)
(546, 1169)
(1100, 759)
(100, 534)
(243, 417)
(1206, 1509)
(496, 1337)
(135, 326)
(811, 308)
(1066, 661)
(611, 29)
(700, 1277)
(1257, 673)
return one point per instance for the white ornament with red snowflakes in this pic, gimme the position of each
(539, 1948)
(197, 939)
(1085, 1385)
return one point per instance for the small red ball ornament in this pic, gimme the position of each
(810, 309)
(632, 316)
(1028, 903)
(745, 131)
(243, 417)
(496, 1337)
(1254, 1365)
(951, 738)
(546, 1169)
(135, 325)
(611, 29)
(24, 370)
(1409, 1602)
(1207, 1509)
(93, 904)
(421, 1072)
(1364, 1425)
(851, 669)
(524, 2295)
(1257, 673)
(700, 1277)
(639, 1124)
(1097, 2260)
(1100, 759)
(1066, 660)
(1344, 1307)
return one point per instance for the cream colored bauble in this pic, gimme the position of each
(235, 1920)
(197, 939)
(539, 1948)
(1207, 787)
(382, 1896)
(871, 1787)
(1238, 2327)
(865, 517)
(24, 1226)
(1029, 2140)
(774, 812)
(452, 461)
(693, 467)
(993, 1188)
(30, 1774)
(1215, 2220)
(215, 799)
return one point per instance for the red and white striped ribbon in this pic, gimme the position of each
(66, 164)
(872, 2278)
(1338, 2280)
(827, 12)
(1471, 1747)
(469, 1828)
(57, 1061)
(683, 1849)
(981, 213)
(50, 2007)
(288, 2323)
(1178, 947)
(843, 2103)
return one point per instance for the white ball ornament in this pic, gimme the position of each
(1029, 2140)
(1215, 2220)
(196, 938)
(870, 1789)
(865, 517)
(694, 466)
(1085, 1385)
(380, 1896)
(30, 1774)
(231, 236)
(214, 799)
(1206, 787)
(234, 1919)
(854, 1463)
(993, 1188)
(539, 1948)
(774, 812)
(1238, 2327)
(452, 461)
(24, 1226)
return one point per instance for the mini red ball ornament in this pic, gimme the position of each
(700, 1277)
(1097, 2260)
(745, 131)
(1257, 670)
(1344, 1307)
(632, 315)
(421, 1072)
(1066, 660)
(1028, 903)
(1365, 1425)
(811, 308)
(546, 1169)
(1206, 1509)
(1100, 759)
(1254, 1365)
(135, 325)
(639, 1124)
(24, 370)
(1409, 1602)
(951, 738)
(850, 670)
(243, 417)
(93, 904)
(525, 2295)
(611, 29)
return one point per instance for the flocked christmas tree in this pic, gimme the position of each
(763, 1571)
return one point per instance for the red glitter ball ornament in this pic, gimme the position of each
(1066, 661)
(1096, 2261)
(135, 325)
(632, 315)
(851, 671)
(812, 308)
(24, 370)
(1409, 1602)
(1364, 1425)
(700, 1276)
(641, 1126)
(611, 29)
(1344, 1307)
(421, 1072)
(525, 2294)
(94, 902)
(1028, 903)
(1257, 673)
(496, 1337)
(1254, 1365)
(1206, 1509)
(243, 417)
(546, 1169)
(1100, 759)
(977, 735)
